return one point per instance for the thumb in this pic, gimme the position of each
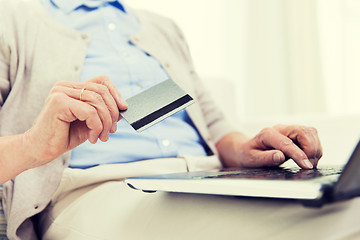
(270, 158)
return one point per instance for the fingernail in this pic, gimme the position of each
(277, 158)
(308, 164)
(314, 162)
(122, 101)
(93, 140)
(113, 128)
(92, 137)
(105, 138)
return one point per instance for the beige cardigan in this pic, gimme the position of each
(35, 53)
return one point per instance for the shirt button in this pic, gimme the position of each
(111, 26)
(139, 86)
(135, 39)
(165, 142)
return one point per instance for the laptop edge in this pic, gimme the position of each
(312, 193)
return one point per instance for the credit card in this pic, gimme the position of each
(155, 104)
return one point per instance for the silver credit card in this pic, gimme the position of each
(155, 104)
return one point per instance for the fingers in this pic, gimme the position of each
(306, 138)
(87, 113)
(270, 138)
(268, 158)
(101, 101)
(102, 96)
(103, 80)
(94, 103)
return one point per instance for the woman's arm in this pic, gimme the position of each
(14, 157)
(73, 113)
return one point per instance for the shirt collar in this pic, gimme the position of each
(70, 5)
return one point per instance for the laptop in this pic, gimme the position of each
(312, 188)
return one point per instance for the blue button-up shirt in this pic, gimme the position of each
(110, 24)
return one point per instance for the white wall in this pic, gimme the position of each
(340, 46)
(281, 56)
(218, 47)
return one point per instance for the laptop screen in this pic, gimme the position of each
(348, 184)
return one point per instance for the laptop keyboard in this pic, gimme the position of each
(275, 173)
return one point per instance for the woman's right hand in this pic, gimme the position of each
(66, 121)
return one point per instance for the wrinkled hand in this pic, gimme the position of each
(272, 147)
(66, 121)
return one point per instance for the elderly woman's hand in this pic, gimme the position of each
(272, 147)
(73, 113)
